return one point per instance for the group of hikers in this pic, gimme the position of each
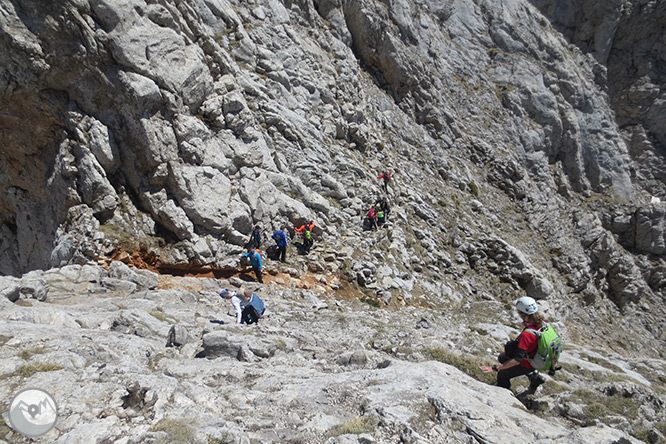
(536, 349)
(255, 257)
(378, 213)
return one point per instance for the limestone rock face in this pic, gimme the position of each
(625, 36)
(524, 140)
(321, 368)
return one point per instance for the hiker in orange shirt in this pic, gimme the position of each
(306, 231)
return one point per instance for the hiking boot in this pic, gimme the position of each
(535, 381)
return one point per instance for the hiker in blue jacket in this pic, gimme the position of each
(280, 239)
(255, 261)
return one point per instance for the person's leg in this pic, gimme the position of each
(249, 315)
(535, 381)
(504, 377)
(257, 272)
(283, 253)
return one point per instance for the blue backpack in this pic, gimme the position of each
(257, 304)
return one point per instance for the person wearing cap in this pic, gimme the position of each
(242, 303)
(514, 361)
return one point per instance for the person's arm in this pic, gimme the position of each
(521, 354)
(499, 367)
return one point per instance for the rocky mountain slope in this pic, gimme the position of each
(526, 149)
(133, 357)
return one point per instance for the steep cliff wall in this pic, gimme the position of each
(628, 38)
(171, 128)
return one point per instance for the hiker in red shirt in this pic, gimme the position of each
(372, 217)
(387, 178)
(514, 360)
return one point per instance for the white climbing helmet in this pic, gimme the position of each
(527, 305)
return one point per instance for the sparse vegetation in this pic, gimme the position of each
(4, 428)
(371, 302)
(597, 376)
(30, 352)
(159, 314)
(601, 362)
(473, 188)
(599, 406)
(356, 426)
(178, 430)
(30, 369)
(467, 364)
(280, 344)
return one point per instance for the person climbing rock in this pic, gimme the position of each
(380, 218)
(383, 205)
(255, 238)
(387, 178)
(306, 231)
(249, 309)
(255, 261)
(516, 360)
(280, 239)
(372, 218)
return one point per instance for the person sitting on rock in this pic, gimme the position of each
(514, 361)
(249, 309)
(280, 239)
(306, 231)
(254, 256)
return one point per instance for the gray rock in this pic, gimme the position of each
(178, 336)
(11, 288)
(142, 278)
(220, 343)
